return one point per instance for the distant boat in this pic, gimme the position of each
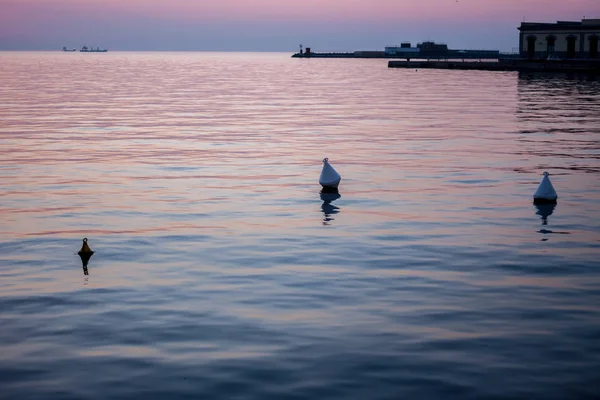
(65, 49)
(86, 49)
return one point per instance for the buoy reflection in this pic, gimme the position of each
(544, 210)
(327, 208)
(85, 258)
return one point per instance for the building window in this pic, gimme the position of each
(593, 46)
(531, 46)
(551, 40)
(571, 46)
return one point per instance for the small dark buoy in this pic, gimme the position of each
(85, 249)
(545, 192)
(85, 254)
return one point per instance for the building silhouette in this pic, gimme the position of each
(561, 40)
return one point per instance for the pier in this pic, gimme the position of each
(564, 46)
(584, 66)
(425, 50)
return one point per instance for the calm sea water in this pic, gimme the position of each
(220, 271)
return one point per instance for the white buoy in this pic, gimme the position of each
(545, 193)
(329, 178)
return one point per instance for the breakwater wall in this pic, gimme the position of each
(324, 55)
(450, 54)
(586, 66)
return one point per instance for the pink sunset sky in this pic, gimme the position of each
(275, 25)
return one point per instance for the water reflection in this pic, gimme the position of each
(327, 208)
(561, 137)
(84, 263)
(544, 210)
(85, 258)
(538, 94)
(556, 78)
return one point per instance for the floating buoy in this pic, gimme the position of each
(329, 178)
(545, 193)
(85, 254)
(85, 249)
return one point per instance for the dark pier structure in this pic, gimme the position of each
(426, 50)
(521, 65)
(564, 46)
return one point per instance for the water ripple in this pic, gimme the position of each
(220, 271)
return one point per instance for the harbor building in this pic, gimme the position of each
(404, 50)
(577, 40)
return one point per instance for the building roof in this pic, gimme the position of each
(583, 25)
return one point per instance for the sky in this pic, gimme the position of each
(275, 25)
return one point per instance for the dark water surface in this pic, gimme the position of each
(221, 272)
